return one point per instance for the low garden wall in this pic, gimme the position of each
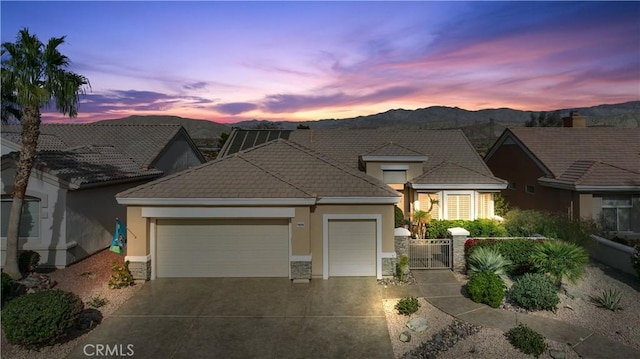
(613, 254)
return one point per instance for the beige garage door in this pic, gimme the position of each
(352, 248)
(222, 248)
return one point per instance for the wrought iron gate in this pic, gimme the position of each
(430, 253)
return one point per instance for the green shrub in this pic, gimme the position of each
(534, 291)
(120, 276)
(608, 299)
(477, 228)
(500, 205)
(488, 259)
(28, 261)
(407, 305)
(402, 267)
(518, 251)
(526, 340)
(560, 260)
(38, 319)
(527, 223)
(97, 302)
(399, 217)
(7, 287)
(486, 287)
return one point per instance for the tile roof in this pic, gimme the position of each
(91, 153)
(346, 145)
(599, 174)
(88, 164)
(276, 169)
(393, 149)
(451, 173)
(586, 156)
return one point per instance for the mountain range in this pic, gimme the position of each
(482, 127)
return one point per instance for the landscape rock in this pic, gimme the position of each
(405, 336)
(443, 340)
(417, 324)
(557, 354)
(35, 282)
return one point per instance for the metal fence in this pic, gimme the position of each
(430, 253)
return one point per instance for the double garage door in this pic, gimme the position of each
(255, 248)
(222, 248)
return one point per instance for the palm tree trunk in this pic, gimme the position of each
(30, 133)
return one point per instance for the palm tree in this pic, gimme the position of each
(33, 76)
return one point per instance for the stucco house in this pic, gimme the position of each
(437, 169)
(275, 210)
(300, 204)
(584, 172)
(70, 209)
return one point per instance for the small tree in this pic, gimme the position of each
(33, 74)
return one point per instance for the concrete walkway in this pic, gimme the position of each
(442, 290)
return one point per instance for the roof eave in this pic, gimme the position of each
(77, 185)
(458, 186)
(549, 182)
(216, 201)
(394, 158)
(358, 200)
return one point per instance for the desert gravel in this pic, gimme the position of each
(87, 278)
(621, 326)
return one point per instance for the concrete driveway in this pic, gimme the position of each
(246, 318)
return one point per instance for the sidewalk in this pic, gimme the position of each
(442, 290)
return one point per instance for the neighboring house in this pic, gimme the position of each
(70, 209)
(584, 172)
(437, 169)
(275, 210)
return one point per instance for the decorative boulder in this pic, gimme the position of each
(405, 336)
(417, 324)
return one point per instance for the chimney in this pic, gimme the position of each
(575, 120)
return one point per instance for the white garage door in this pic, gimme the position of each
(222, 248)
(352, 248)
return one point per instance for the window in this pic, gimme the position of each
(394, 176)
(484, 205)
(529, 189)
(29, 221)
(616, 213)
(459, 206)
(511, 185)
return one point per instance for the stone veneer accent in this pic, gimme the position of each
(140, 270)
(301, 270)
(401, 241)
(459, 237)
(388, 266)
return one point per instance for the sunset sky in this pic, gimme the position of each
(233, 61)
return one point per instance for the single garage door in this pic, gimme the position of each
(352, 248)
(222, 248)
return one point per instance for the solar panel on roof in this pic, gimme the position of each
(236, 143)
(262, 137)
(249, 140)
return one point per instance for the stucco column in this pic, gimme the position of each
(459, 237)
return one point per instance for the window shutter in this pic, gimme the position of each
(484, 205)
(459, 206)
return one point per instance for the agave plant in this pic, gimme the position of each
(488, 259)
(609, 299)
(560, 260)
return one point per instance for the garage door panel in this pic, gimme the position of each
(222, 248)
(352, 248)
